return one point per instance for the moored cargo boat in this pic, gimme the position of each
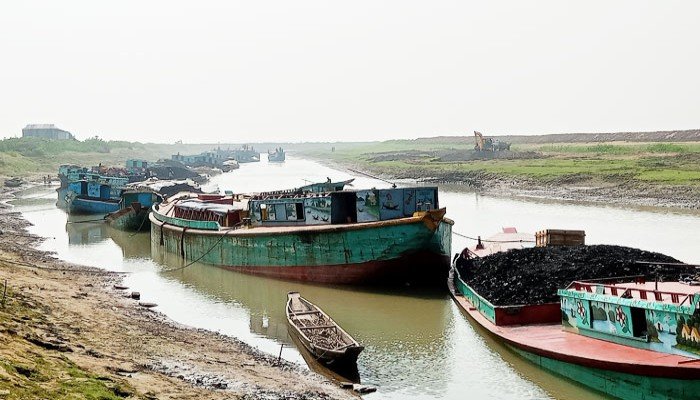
(133, 210)
(630, 339)
(90, 197)
(375, 236)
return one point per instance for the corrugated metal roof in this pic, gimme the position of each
(40, 126)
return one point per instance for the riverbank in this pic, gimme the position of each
(622, 173)
(67, 332)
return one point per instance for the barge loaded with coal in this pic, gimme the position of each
(618, 320)
(366, 237)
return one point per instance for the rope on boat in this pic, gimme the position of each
(492, 241)
(393, 185)
(88, 220)
(200, 257)
(140, 226)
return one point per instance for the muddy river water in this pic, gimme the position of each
(418, 345)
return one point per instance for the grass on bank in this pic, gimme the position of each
(658, 163)
(35, 156)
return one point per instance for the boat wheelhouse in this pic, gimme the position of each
(657, 316)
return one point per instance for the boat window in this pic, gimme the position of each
(639, 322)
(295, 211)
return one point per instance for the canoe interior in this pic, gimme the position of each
(319, 334)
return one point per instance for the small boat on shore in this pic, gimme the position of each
(319, 334)
(627, 337)
(14, 182)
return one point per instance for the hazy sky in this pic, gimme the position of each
(236, 71)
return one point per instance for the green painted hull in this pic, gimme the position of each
(367, 253)
(617, 384)
(129, 220)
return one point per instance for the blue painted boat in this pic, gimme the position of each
(85, 205)
(88, 197)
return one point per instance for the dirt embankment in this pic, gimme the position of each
(66, 332)
(690, 135)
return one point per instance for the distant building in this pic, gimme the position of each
(46, 131)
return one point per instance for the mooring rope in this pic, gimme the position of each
(140, 226)
(492, 241)
(200, 257)
(88, 220)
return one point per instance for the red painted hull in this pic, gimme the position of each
(418, 268)
(551, 341)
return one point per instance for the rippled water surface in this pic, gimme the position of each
(417, 342)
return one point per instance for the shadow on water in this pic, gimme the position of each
(398, 332)
(346, 374)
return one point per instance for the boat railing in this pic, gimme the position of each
(628, 292)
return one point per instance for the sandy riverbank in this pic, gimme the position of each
(66, 331)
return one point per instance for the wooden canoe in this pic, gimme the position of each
(327, 342)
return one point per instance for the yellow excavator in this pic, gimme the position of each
(489, 144)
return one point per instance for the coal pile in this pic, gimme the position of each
(532, 276)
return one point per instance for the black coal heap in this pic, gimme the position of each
(532, 276)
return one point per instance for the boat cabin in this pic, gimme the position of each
(224, 211)
(341, 207)
(658, 316)
(139, 199)
(95, 190)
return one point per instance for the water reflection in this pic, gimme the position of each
(399, 329)
(85, 232)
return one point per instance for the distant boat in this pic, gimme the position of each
(276, 156)
(319, 334)
(230, 165)
(14, 182)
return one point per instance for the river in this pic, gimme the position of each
(418, 344)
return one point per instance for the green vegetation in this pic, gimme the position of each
(454, 159)
(35, 156)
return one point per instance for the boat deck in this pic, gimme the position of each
(509, 239)
(551, 341)
(434, 216)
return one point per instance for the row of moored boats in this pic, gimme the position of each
(629, 337)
